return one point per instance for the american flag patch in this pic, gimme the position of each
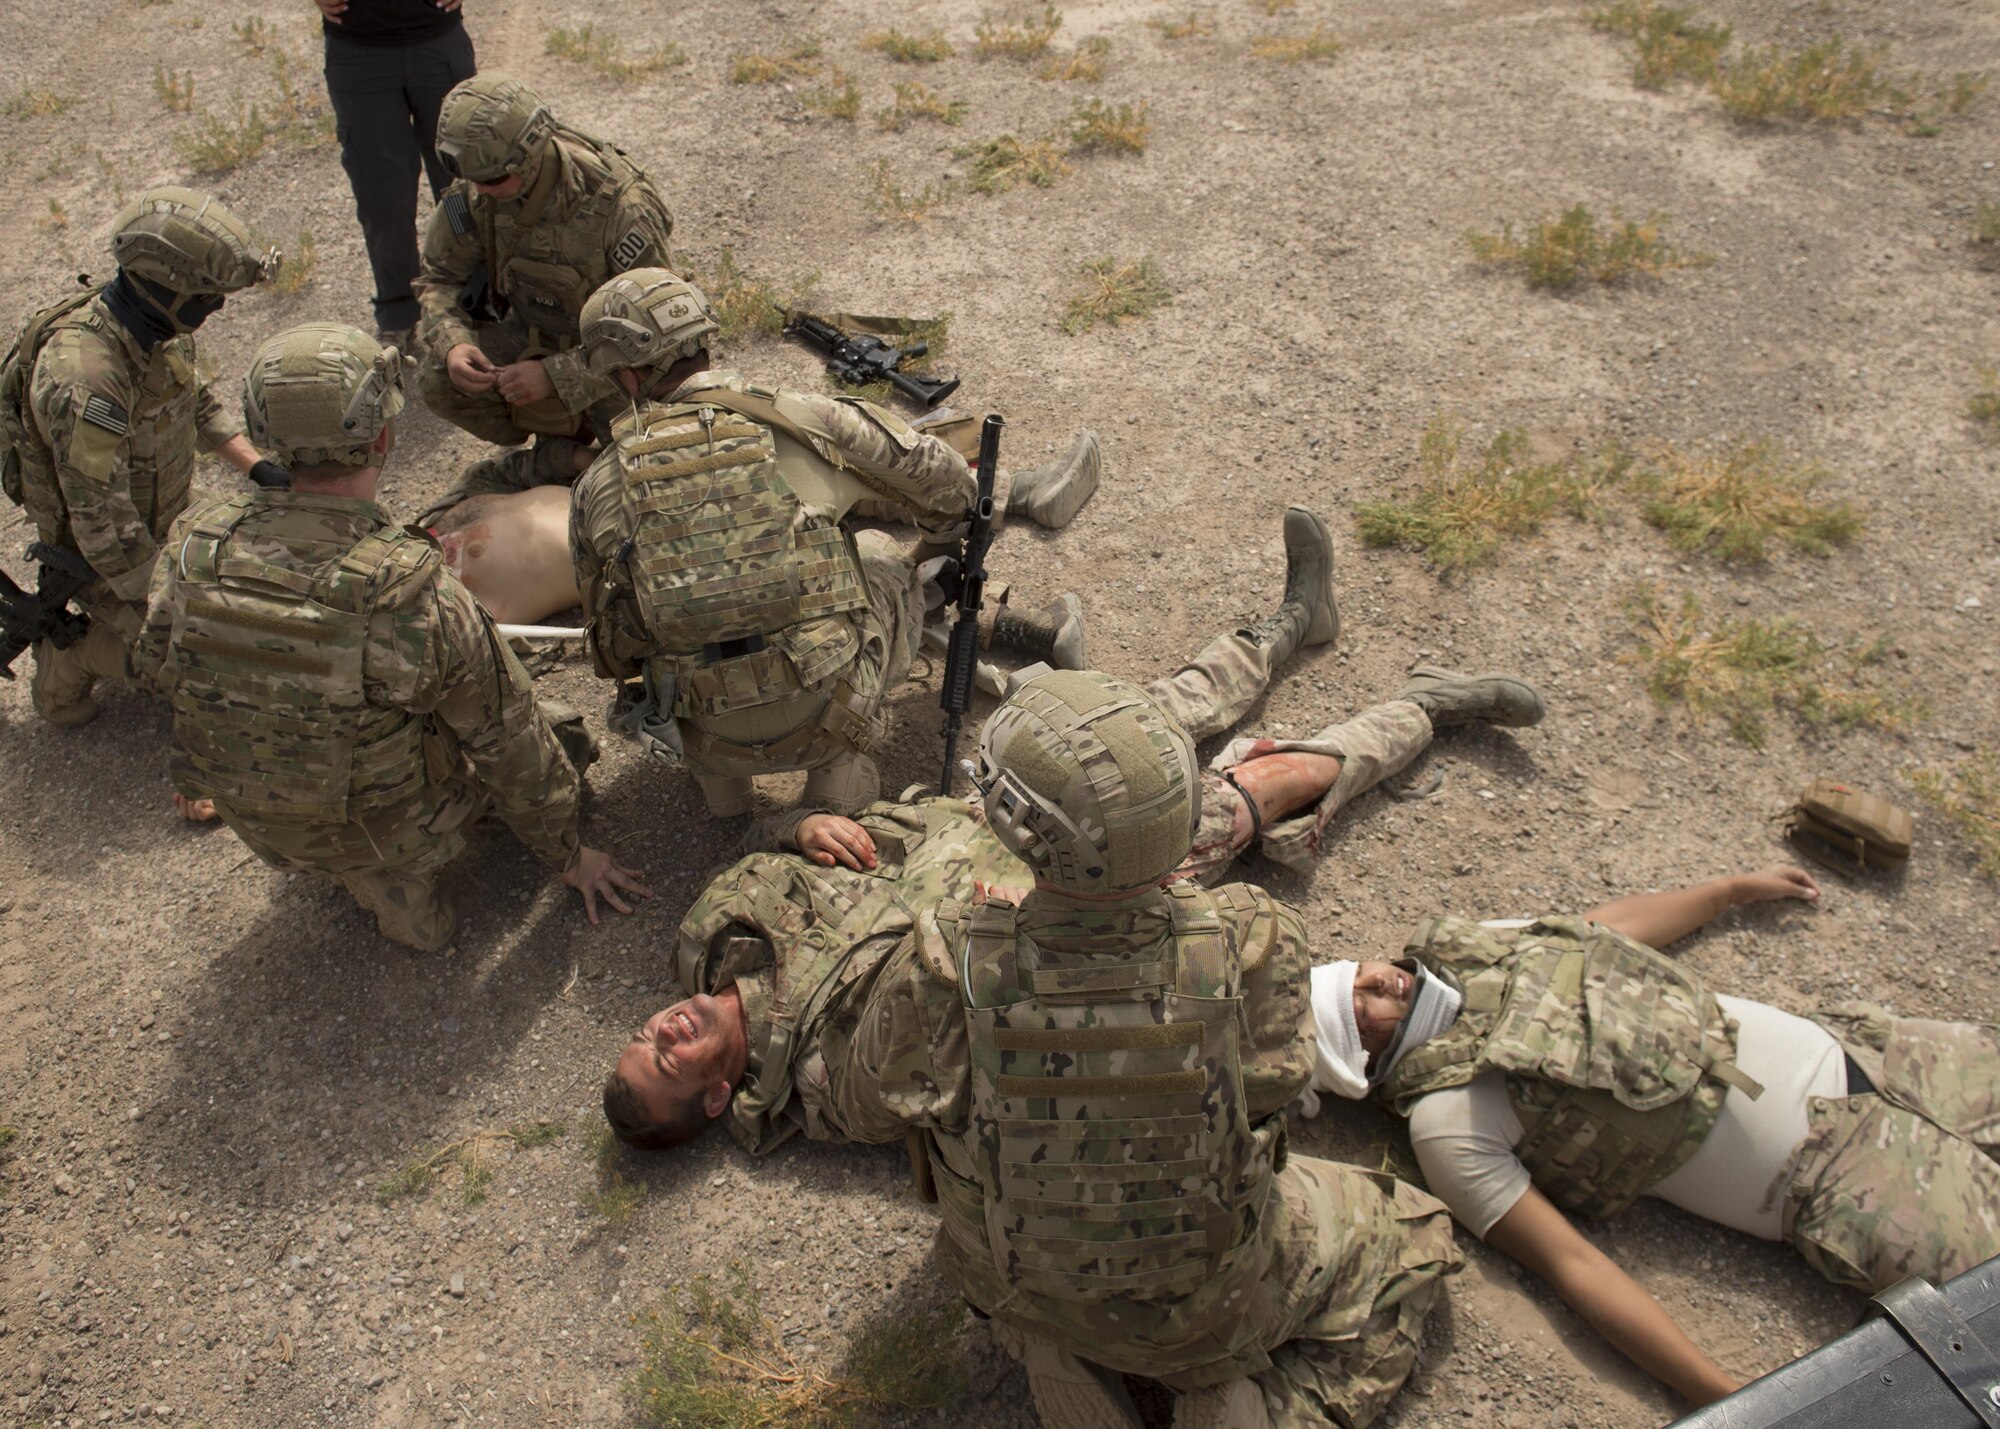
(458, 213)
(108, 415)
(630, 249)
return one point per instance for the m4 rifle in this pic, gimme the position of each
(860, 359)
(29, 617)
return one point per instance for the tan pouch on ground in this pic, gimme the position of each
(1866, 831)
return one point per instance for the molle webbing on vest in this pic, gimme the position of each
(266, 677)
(1107, 1088)
(698, 436)
(1617, 1059)
(1108, 1126)
(1097, 1039)
(725, 552)
(690, 465)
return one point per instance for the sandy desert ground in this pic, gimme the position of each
(211, 1066)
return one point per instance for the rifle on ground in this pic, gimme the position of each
(28, 617)
(860, 359)
(968, 575)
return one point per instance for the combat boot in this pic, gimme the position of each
(1450, 698)
(1053, 633)
(1052, 494)
(1307, 615)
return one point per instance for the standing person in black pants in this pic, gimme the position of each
(389, 64)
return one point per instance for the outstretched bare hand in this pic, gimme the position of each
(1779, 881)
(595, 874)
(830, 839)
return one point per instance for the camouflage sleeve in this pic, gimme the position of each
(455, 667)
(149, 653)
(577, 387)
(777, 833)
(1277, 1007)
(919, 473)
(83, 407)
(639, 231)
(900, 1059)
(450, 253)
(618, 640)
(215, 421)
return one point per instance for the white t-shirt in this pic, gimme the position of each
(1464, 1138)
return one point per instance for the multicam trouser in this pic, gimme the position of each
(1211, 693)
(408, 905)
(1361, 1259)
(839, 776)
(1367, 1257)
(1902, 1181)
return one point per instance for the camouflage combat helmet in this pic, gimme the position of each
(645, 318)
(322, 392)
(187, 243)
(490, 127)
(1089, 782)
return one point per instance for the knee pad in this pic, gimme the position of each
(847, 785)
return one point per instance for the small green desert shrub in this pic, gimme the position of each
(1115, 290)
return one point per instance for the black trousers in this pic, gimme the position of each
(385, 109)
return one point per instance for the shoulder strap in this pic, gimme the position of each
(762, 406)
(987, 939)
(198, 559)
(380, 566)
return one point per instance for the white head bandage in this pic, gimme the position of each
(1340, 1064)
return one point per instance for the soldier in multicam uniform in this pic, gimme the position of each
(539, 217)
(105, 423)
(344, 701)
(827, 998)
(1563, 1065)
(714, 565)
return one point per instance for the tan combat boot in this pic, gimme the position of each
(1308, 614)
(1450, 698)
(1052, 494)
(1054, 633)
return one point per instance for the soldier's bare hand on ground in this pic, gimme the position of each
(524, 382)
(1779, 881)
(595, 875)
(469, 369)
(828, 839)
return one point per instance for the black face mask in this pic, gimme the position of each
(196, 309)
(136, 311)
(152, 312)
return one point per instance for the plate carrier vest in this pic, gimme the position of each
(549, 275)
(1617, 1059)
(265, 676)
(741, 586)
(1112, 1150)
